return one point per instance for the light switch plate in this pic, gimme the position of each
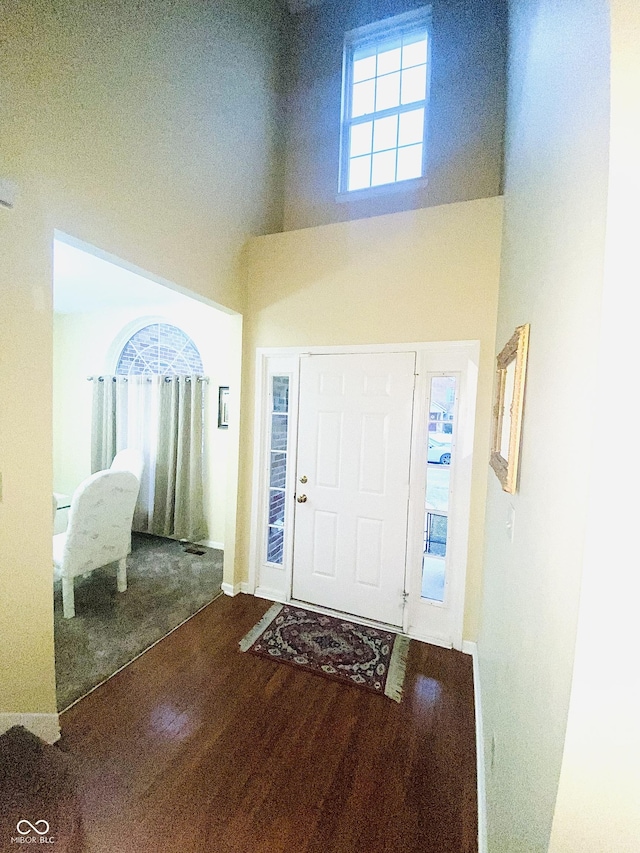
(511, 521)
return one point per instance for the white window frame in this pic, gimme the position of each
(354, 40)
(266, 579)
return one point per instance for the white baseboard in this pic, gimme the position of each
(431, 639)
(234, 588)
(270, 594)
(470, 648)
(45, 726)
(209, 543)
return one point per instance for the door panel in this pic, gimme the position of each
(325, 529)
(354, 442)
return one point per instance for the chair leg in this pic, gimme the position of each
(122, 575)
(68, 606)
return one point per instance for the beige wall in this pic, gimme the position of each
(26, 619)
(598, 805)
(146, 129)
(426, 275)
(83, 345)
(465, 112)
(552, 266)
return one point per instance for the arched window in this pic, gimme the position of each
(160, 348)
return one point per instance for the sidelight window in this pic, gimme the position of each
(278, 443)
(439, 458)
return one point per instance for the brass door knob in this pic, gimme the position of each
(303, 479)
(302, 499)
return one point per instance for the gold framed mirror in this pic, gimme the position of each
(511, 368)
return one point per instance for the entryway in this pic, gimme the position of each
(362, 482)
(352, 490)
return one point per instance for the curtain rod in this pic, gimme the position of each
(148, 378)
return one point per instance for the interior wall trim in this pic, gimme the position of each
(471, 648)
(232, 589)
(45, 726)
(210, 543)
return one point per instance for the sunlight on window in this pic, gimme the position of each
(439, 460)
(385, 102)
(411, 127)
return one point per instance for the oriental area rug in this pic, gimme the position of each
(334, 648)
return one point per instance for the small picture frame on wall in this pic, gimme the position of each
(511, 371)
(223, 407)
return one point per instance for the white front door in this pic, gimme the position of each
(352, 482)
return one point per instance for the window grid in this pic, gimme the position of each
(279, 431)
(442, 397)
(384, 104)
(160, 349)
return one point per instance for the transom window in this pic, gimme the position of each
(160, 349)
(384, 102)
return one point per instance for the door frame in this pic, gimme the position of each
(274, 582)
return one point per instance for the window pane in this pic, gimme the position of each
(387, 91)
(411, 127)
(275, 542)
(388, 72)
(436, 534)
(360, 173)
(440, 434)
(438, 481)
(362, 101)
(385, 133)
(414, 53)
(364, 69)
(279, 432)
(278, 470)
(276, 506)
(409, 162)
(433, 578)
(392, 42)
(414, 84)
(160, 348)
(384, 168)
(280, 391)
(388, 61)
(361, 139)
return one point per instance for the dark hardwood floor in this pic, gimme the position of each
(199, 747)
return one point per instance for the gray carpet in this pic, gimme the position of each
(166, 585)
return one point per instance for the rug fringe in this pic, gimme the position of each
(397, 668)
(249, 639)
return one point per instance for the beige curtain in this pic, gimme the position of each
(109, 401)
(163, 416)
(178, 508)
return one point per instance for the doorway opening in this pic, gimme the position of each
(114, 321)
(367, 490)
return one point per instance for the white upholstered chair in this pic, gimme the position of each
(129, 459)
(99, 530)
